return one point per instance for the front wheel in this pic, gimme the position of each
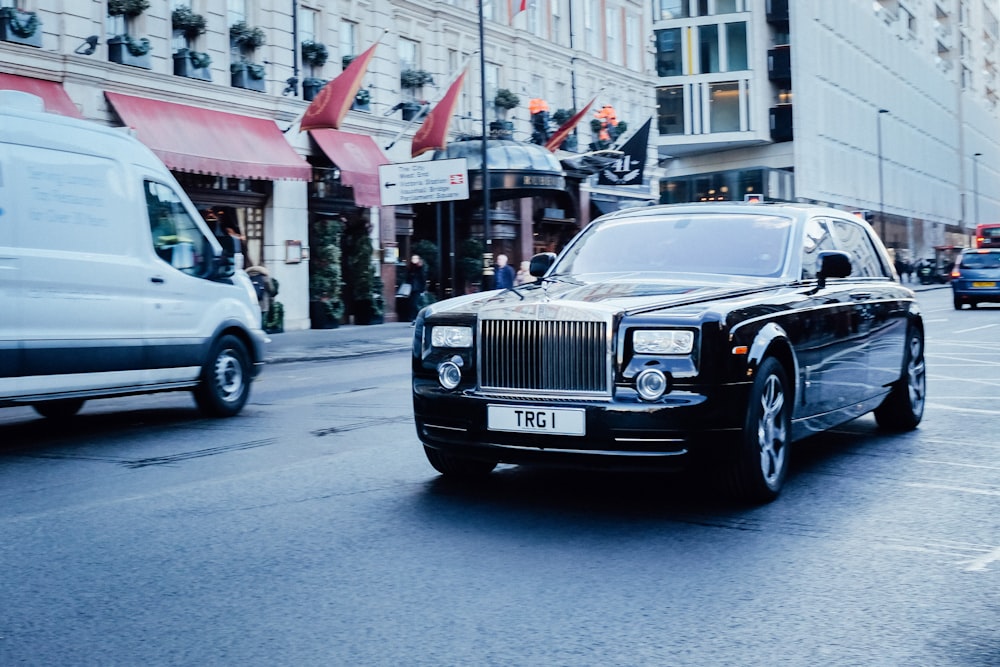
(903, 408)
(456, 467)
(958, 303)
(761, 461)
(225, 379)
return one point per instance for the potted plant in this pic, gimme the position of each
(124, 48)
(314, 54)
(505, 100)
(559, 118)
(359, 273)
(311, 87)
(415, 78)
(346, 60)
(325, 282)
(362, 101)
(184, 20)
(193, 64)
(274, 319)
(247, 39)
(20, 27)
(248, 75)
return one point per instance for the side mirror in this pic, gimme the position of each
(225, 266)
(541, 263)
(833, 264)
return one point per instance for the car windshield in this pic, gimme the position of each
(728, 244)
(981, 260)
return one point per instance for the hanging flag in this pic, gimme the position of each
(516, 7)
(334, 100)
(559, 136)
(433, 133)
(627, 169)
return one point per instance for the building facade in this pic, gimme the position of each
(888, 107)
(197, 85)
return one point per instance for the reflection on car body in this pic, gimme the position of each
(666, 333)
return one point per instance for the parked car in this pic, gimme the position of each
(976, 277)
(665, 334)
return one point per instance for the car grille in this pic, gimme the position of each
(544, 356)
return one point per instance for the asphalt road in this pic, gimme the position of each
(311, 531)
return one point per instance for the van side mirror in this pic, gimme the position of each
(541, 263)
(225, 266)
(833, 264)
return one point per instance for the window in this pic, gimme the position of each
(176, 237)
(708, 48)
(307, 24)
(724, 106)
(488, 9)
(669, 56)
(590, 27)
(736, 47)
(534, 18)
(632, 43)
(725, 7)
(236, 11)
(816, 239)
(854, 240)
(348, 43)
(492, 80)
(670, 109)
(613, 30)
(674, 9)
(409, 54)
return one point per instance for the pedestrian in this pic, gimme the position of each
(503, 274)
(416, 278)
(524, 276)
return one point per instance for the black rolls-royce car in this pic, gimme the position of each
(663, 333)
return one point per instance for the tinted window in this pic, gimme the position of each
(176, 237)
(854, 240)
(984, 260)
(817, 238)
(734, 244)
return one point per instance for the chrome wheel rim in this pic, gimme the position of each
(228, 376)
(771, 431)
(916, 376)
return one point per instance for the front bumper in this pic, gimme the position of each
(620, 433)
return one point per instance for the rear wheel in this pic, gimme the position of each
(66, 407)
(225, 378)
(761, 462)
(958, 303)
(457, 467)
(903, 408)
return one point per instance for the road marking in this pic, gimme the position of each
(971, 411)
(954, 463)
(962, 489)
(985, 326)
(979, 564)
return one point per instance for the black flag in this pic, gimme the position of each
(627, 169)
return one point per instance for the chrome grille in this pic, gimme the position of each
(544, 356)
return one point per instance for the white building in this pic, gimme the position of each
(887, 106)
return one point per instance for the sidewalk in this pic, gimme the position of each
(353, 340)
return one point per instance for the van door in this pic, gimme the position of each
(81, 278)
(183, 309)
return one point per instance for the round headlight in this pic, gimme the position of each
(651, 384)
(449, 375)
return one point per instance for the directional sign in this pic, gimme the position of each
(421, 182)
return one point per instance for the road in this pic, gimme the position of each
(311, 531)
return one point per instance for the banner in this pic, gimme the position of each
(627, 169)
(332, 103)
(433, 133)
(559, 136)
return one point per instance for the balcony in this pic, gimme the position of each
(777, 11)
(779, 63)
(781, 123)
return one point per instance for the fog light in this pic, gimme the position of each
(449, 374)
(651, 384)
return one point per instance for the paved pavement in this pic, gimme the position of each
(352, 340)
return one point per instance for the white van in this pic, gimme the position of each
(110, 281)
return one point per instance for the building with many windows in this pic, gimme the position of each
(217, 89)
(888, 107)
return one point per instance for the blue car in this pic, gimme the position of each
(976, 277)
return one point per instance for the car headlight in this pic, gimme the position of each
(662, 341)
(450, 336)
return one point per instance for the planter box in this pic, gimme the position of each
(357, 106)
(242, 79)
(7, 33)
(311, 88)
(410, 109)
(118, 53)
(318, 317)
(184, 67)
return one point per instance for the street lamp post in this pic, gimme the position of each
(975, 188)
(881, 192)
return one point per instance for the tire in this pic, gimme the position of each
(225, 379)
(760, 464)
(958, 303)
(61, 409)
(903, 408)
(456, 467)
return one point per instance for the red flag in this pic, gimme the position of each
(560, 135)
(328, 108)
(516, 7)
(433, 133)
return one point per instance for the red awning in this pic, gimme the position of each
(203, 141)
(56, 99)
(358, 158)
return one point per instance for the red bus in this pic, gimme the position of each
(988, 235)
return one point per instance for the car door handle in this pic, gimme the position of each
(861, 296)
(157, 280)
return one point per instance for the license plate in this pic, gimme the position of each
(983, 283)
(532, 419)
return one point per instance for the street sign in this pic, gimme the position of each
(425, 181)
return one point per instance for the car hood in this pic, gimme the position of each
(617, 294)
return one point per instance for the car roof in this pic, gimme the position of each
(790, 209)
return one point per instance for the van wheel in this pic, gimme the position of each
(66, 407)
(225, 379)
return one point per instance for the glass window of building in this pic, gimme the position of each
(488, 9)
(492, 80)
(674, 9)
(348, 39)
(307, 24)
(590, 27)
(708, 48)
(632, 42)
(669, 56)
(613, 30)
(236, 11)
(725, 7)
(409, 53)
(724, 106)
(670, 109)
(736, 47)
